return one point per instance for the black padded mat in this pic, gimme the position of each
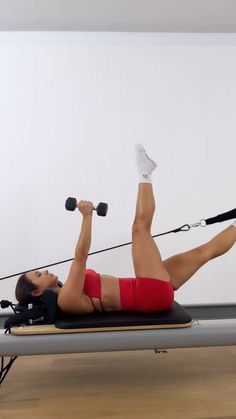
(174, 316)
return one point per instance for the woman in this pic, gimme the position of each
(153, 288)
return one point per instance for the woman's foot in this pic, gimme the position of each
(145, 165)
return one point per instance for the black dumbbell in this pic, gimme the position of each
(101, 209)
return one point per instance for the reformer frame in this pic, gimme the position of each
(203, 333)
(200, 332)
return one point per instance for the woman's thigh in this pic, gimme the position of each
(146, 257)
(183, 266)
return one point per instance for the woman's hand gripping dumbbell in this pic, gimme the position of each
(101, 209)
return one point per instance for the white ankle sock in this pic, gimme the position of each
(145, 165)
(234, 223)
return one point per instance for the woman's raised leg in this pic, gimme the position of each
(183, 266)
(146, 256)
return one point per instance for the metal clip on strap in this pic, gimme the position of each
(202, 223)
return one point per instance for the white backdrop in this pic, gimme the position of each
(72, 106)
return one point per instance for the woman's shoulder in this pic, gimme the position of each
(74, 305)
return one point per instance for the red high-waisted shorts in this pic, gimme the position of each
(145, 294)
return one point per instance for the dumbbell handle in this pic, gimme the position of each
(94, 208)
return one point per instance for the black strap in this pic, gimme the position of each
(229, 215)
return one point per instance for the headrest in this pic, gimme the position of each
(45, 308)
(50, 303)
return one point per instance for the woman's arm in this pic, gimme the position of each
(84, 241)
(72, 291)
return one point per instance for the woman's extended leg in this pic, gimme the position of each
(182, 267)
(146, 256)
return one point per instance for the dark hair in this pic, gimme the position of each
(24, 289)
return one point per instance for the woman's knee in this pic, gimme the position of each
(140, 227)
(205, 252)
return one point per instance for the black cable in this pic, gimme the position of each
(185, 227)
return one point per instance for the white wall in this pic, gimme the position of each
(72, 106)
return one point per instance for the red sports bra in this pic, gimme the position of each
(92, 285)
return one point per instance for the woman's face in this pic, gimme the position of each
(43, 280)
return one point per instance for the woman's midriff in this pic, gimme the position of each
(110, 293)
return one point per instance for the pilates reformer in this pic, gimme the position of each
(42, 328)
